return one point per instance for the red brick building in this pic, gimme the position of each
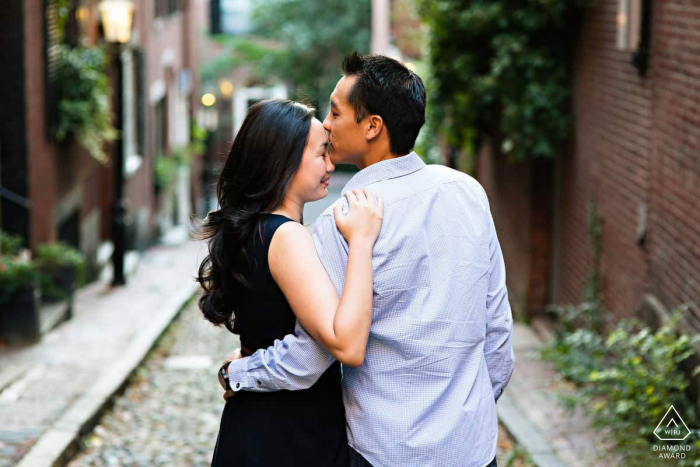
(57, 191)
(635, 152)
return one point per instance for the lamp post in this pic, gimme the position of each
(117, 17)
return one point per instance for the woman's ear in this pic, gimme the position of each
(373, 126)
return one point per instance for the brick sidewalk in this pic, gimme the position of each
(530, 411)
(61, 384)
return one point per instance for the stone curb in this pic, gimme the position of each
(57, 445)
(525, 433)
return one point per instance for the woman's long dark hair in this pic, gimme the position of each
(264, 156)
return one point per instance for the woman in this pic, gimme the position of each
(262, 274)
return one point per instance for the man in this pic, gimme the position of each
(439, 352)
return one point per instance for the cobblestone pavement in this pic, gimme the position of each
(170, 411)
(73, 368)
(169, 414)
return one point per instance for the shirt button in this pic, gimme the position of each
(238, 385)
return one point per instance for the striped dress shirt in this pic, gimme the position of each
(439, 351)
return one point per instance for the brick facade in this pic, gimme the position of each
(635, 153)
(70, 194)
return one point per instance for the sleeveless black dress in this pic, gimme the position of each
(283, 428)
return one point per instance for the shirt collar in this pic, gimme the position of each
(384, 170)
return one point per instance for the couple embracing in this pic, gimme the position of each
(402, 282)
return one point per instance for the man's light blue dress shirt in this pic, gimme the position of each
(439, 351)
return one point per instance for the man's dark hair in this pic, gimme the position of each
(385, 87)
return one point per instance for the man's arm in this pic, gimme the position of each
(297, 361)
(499, 319)
(293, 363)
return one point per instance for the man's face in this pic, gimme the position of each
(346, 137)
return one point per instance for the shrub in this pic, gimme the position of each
(50, 260)
(16, 274)
(627, 381)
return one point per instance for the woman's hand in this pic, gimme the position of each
(364, 219)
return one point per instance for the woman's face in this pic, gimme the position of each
(310, 181)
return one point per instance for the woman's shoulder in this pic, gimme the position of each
(282, 227)
(271, 222)
(288, 239)
(277, 228)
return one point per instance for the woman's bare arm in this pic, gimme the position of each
(342, 325)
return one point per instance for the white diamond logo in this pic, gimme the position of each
(672, 427)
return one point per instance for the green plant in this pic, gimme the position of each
(427, 143)
(519, 458)
(83, 96)
(627, 380)
(61, 255)
(198, 135)
(594, 227)
(16, 274)
(9, 244)
(501, 69)
(300, 42)
(589, 314)
(165, 170)
(179, 156)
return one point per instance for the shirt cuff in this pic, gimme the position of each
(249, 374)
(238, 375)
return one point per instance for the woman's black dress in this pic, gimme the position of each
(283, 428)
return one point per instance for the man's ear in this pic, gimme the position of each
(373, 126)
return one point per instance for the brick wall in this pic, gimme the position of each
(63, 178)
(609, 164)
(674, 239)
(508, 186)
(41, 154)
(634, 150)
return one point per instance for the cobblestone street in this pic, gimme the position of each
(169, 413)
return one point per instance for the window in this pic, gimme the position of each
(165, 8)
(634, 31)
(159, 142)
(158, 8)
(133, 73)
(230, 17)
(629, 24)
(172, 6)
(160, 128)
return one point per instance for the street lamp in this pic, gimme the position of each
(117, 17)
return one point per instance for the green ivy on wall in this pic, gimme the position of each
(501, 67)
(83, 96)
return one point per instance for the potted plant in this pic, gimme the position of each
(19, 319)
(61, 269)
(9, 244)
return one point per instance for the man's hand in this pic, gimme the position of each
(235, 355)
